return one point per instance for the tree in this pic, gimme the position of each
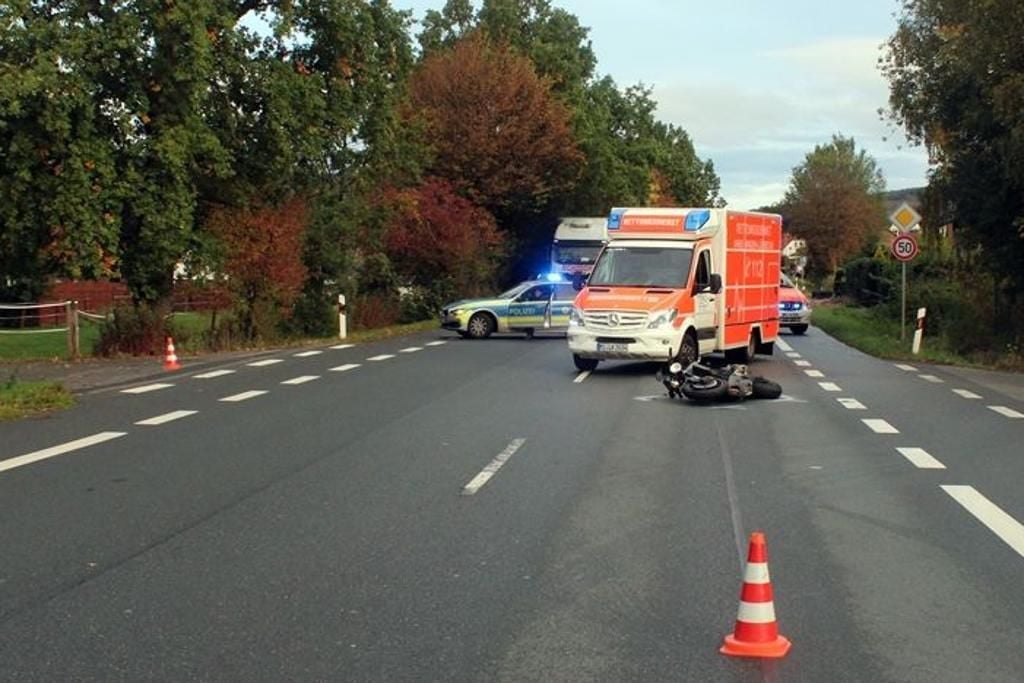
(834, 203)
(956, 77)
(435, 236)
(497, 133)
(261, 264)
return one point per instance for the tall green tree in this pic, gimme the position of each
(956, 74)
(834, 202)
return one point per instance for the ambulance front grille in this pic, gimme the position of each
(615, 320)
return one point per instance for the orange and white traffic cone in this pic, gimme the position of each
(756, 633)
(170, 357)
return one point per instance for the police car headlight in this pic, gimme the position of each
(661, 318)
(575, 317)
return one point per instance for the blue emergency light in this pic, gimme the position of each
(695, 220)
(615, 219)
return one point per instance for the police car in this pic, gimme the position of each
(794, 307)
(531, 306)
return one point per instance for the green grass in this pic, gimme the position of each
(869, 331)
(21, 399)
(46, 345)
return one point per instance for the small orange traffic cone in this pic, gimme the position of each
(756, 633)
(170, 357)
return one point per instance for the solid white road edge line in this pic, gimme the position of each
(492, 468)
(921, 458)
(244, 396)
(146, 388)
(581, 377)
(166, 417)
(63, 448)
(965, 393)
(1008, 412)
(301, 379)
(880, 426)
(991, 515)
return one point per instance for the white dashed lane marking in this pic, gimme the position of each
(52, 451)
(339, 347)
(932, 378)
(383, 356)
(921, 458)
(214, 373)
(147, 388)
(829, 386)
(436, 343)
(411, 349)
(345, 367)
(581, 377)
(265, 363)
(1008, 412)
(792, 354)
(991, 515)
(852, 404)
(244, 396)
(880, 426)
(307, 354)
(301, 379)
(906, 368)
(966, 394)
(814, 373)
(166, 417)
(492, 468)
(802, 363)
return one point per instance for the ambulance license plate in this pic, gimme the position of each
(612, 348)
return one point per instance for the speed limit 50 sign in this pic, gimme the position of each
(904, 247)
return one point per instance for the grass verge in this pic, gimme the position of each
(868, 331)
(22, 399)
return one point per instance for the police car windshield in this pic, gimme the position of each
(642, 267)
(515, 291)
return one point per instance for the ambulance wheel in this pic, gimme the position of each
(584, 364)
(706, 388)
(688, 350)
(798, 329)
(480, 326)
(745, 355)
(765, 388)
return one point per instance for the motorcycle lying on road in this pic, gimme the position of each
(704, 383)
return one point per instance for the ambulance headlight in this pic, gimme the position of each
(661, 318)
(575, 317)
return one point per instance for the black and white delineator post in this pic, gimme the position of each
(919, 332)
(342, 318)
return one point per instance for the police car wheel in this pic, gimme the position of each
(480, 326)
(529, 332)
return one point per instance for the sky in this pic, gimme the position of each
(756, 84)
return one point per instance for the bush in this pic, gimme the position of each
(370, 311)
(868, 281)
(137, 330)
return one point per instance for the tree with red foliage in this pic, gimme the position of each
(262, 259)
(498, 134)
(434, 236)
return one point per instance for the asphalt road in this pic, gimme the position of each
(478, 511)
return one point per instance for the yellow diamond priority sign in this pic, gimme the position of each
(905, 218)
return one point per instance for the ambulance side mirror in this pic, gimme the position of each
(579, 281)
(716, 283)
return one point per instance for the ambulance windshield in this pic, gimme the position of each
(642, 267)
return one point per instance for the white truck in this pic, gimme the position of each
(577, 243)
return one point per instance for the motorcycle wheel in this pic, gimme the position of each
(705, 389)
(765, 388)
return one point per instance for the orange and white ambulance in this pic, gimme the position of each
(678, 283)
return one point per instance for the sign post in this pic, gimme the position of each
(342, 317)
(904, 221)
